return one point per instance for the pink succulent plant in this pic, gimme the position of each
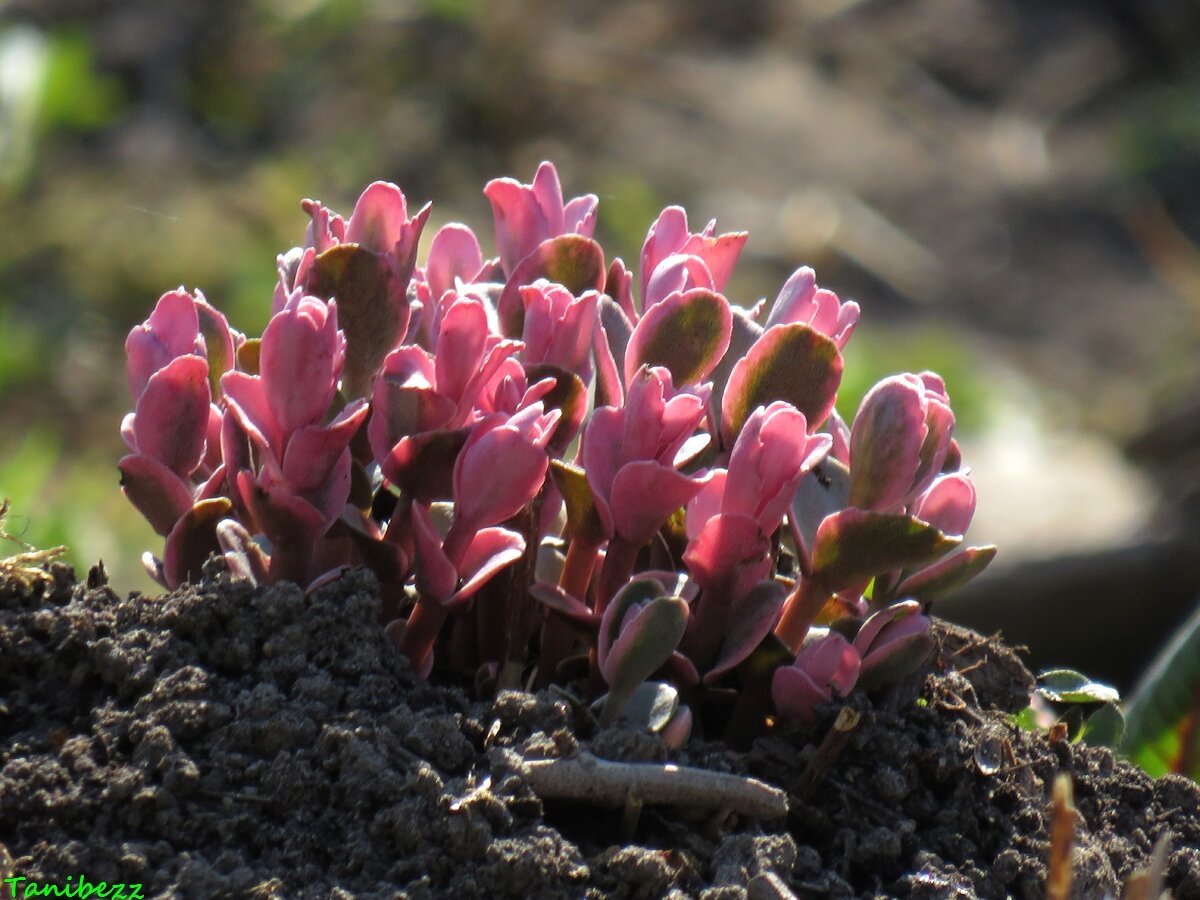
(421, 430)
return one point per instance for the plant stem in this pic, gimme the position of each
(618, 566)
(800, 610)
(578, 568)
(608, 783)
(421, 630)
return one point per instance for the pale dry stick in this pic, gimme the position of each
(828, 751)
(1147, 882)
(1062, 840)
(769, 886)
(608, 783)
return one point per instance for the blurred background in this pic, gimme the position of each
(1010, 188)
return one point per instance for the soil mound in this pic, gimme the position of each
(225, 740)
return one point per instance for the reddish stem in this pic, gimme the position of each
(618, 566)
(578, 568)
(557, 636)
(421, 630)
(800, 610)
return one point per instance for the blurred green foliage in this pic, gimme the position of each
(60, 496)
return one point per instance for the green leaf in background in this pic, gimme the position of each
(74, 94)
(1163, 714)
(1104, 728)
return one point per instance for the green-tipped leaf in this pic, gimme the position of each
(856, 544)
(373, 310)
(946, 576)
(583, 521)
(792, 362)
(687, 333)
(574, 261)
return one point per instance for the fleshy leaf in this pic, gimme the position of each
(155, 491)
(423, 465)
(491, 550)
(824, 492)
(651, 707)
(638, 591)
(218, 342)
(193, 540)
(290, 522)
(608, 345)
(645, 493)
(569, 396)
(453, 253)
(885, 444)
(573, 609)
(946, 575)
(751, 618)
(729, 551)
(436, 576)
(687, 333)
(243, 556)
(1069, 686)
(1105, 727)
(857, 544)
(647, 640)
(583, 521)
(373, 310)
(789, 362)
(896, 659)
(171, 421)
(574, 261)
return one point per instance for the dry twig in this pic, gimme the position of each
(608, 783)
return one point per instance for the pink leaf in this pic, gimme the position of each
(751, 617)
(155, 491)
(171, 421)
(301, 357)
(462, 339)
(574, 261)
(313, 451)
(171, 331)
(645, 493)
(729, 555)
(453, 253)
(495, 446)
(192, 541)
(948, 504)
(885, 443)
(492, 550)
(822, 666)
(378, 218)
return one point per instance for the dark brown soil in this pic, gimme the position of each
(231, 741)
